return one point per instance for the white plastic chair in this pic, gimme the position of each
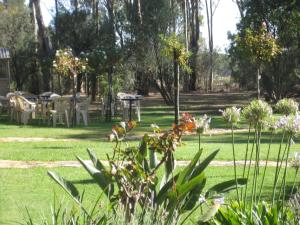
(83, 109)
(61, 110)
(24, 109)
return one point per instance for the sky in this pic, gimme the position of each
(225, 18)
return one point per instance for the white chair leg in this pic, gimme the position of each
(54, 117)
(67, 118)
(85, 118)
(77, 117)
(138, 112)
(103, 110)
(25, 117)
(125, 114)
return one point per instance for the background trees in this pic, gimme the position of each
(281, 21)
(122, 41)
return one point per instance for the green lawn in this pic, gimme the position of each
(67, 150)
(32, 188)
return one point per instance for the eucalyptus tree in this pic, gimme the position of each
(211, 7)
(44, 46)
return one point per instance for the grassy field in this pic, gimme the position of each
(32, 188)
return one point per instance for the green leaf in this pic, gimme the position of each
(226, 186)
(193, 196)
(152, 159)
(202, 166)
(163, 192)
(95, 161)
(169, 167)
(97, 175)
(185, 188)
(66, 185)
(188, 169)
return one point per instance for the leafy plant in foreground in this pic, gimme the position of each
(130, 181)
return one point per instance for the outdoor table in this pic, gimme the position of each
(131, 99)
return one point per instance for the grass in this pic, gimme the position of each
(32, 188)
(67, 150)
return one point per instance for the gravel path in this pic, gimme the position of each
(33, 164)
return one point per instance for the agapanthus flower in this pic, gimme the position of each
(257, 112)
(231, 115)
(287, 106)
(271, 123)
(295, 162)
(290, 123)
(202, 124)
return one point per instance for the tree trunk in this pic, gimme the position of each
(44, 44)
(194, 43)
(257, 82)
(108, 116)
(176, 89)
(110, 4)
(93, 86)
(185, 17)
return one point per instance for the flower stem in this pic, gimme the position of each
(266, 165)
(283, 183)
(246, 157)
(234, 162)
(276, 171)
(249, 166)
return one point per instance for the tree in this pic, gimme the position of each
(278, 21)
(17, 35)
(210, 10)
(176, 51)
(44, 45)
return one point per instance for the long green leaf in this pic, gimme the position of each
(97, 175)
(163, 192)
(226, 186)
(202, 166)
(193, 196)
(97, 163)
(169, 167)
(66, 185)
(185, 188)
(152, 159)
(188, 169)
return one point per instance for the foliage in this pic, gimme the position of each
(260, 43)
(273, 21)
(287, 106)
(66, 64)
(130, 182)
(294, 204)
(17, 35)
(258, 114)
(261, 214)
(173, 47)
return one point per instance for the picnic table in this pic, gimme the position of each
(132, 99)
